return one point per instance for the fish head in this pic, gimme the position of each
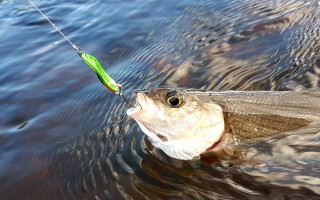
(177, 122)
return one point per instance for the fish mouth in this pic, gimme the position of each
(132, 111)
(140, 104)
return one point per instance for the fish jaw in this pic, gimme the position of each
(143, 103)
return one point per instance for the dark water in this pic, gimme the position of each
(64, 136)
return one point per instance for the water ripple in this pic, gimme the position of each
(63, 136)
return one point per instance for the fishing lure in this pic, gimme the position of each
(105, 78)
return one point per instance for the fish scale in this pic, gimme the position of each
(252, 126)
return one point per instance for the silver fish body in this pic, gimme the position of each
(185, 123)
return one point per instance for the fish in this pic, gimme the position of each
(185, 123)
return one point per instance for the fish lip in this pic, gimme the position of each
(134, 110)
(139, 104)
(137, 107)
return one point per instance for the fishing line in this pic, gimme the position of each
(105, 78)
(34, 5)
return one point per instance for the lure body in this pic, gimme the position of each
(105, 78)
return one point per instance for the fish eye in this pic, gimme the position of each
(174, 101)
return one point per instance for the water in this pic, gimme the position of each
(64, 136)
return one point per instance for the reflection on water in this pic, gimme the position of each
(63, 136)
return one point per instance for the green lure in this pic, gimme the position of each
(105, 79)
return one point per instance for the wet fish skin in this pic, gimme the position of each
(204, 118)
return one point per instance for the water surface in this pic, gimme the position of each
(64, 136)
